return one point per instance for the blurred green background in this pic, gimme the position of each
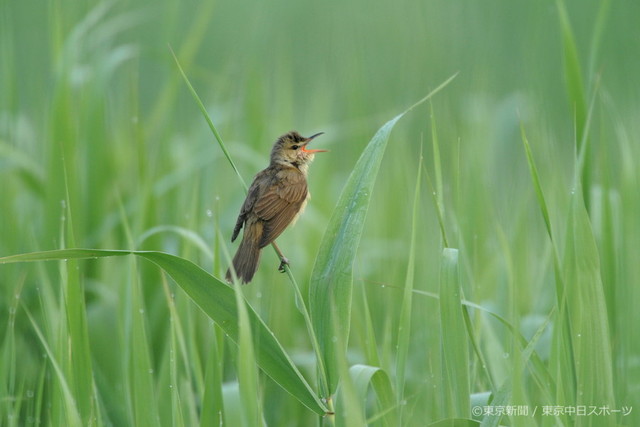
(95, 117)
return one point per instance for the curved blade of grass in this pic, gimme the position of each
(364, 376)
(331, 283)
(185, 233)
(218, 301)
(455, 348)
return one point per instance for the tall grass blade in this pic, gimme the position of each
(404, 328)
(562, 358)
(587, 310)
(572, 70)
(503, 395)
(246, 362)
(177, 413)
(218, 301)
(205, 114)
(212, 401)
(79, 368)
(71, 415)
(438, 191)
(331, 282)
(540, 372)
(455, 347)
(597, 35)
(143, 392)
(575, 93)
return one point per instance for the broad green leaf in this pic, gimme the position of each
(332, 276)
(331, 284)
(455, 348)
(218, 301)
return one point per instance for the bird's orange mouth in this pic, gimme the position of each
(308, 140)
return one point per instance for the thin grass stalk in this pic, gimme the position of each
(404, 327)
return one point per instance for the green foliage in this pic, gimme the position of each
(332, 277)
(119, 122)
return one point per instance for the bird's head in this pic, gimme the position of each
(291, 149)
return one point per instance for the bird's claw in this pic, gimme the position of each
(283, 261)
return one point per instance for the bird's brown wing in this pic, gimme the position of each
(279, 205)
(253, 194)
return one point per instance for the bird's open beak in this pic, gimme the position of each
(308, 140)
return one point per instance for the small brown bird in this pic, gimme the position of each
(276, 197)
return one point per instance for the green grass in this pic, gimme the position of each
(483, 253)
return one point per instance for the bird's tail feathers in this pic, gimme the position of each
(245, 262)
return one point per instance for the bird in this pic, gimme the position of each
(275, 199)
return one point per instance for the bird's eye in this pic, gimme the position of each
(294, 147)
